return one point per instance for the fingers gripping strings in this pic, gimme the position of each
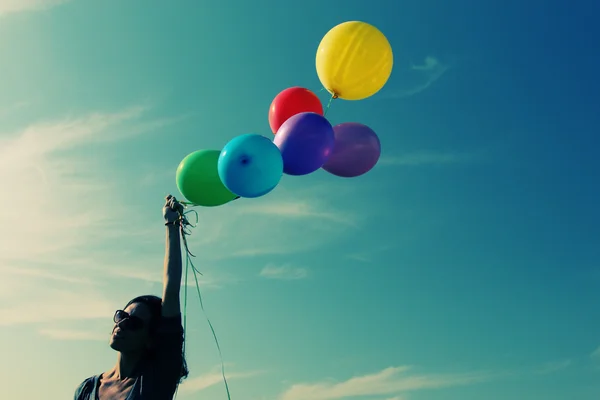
(185, 227)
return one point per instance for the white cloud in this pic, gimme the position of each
(203, 382)
(62, 209)
(14, 107)
(34, 273)
(368, 256)
(11, 286)
(58, 189)
(156, 276)
(14, 6)
(553, 367)
(283, 272)
(292, 223)
(66, 334)
(296, 209)
(362, 257)
(388, 382)
(430, 64)
(417, 79)
(153, 178)
(56, 305)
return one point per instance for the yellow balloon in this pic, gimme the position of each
(354, 60)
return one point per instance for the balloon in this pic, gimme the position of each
(305, 141)
(198, 179)
(290, 102)
(354, 60)
(250, 165)
(356, 151)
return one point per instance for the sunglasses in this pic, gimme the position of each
(127, 321)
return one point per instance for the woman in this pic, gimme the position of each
(147, 335)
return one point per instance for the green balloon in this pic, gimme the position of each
(198, 179)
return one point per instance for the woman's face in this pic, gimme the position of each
(130, 333)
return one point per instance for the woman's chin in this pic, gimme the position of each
(115, 344)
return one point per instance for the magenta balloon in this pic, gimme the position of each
(306, 141)
(356, 150)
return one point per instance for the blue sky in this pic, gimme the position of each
(465, 266)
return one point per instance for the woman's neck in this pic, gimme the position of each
(126, 366)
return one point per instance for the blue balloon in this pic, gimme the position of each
(250, 165)
(306, 141)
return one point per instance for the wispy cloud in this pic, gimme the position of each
(555, 366)
(367, 256)
(57, 192)
(193, 385)
(362, 257)
(14, 6)
(596, 354)
(34, 273)
(155, 276)
(13, 108)
(293, 223)
(393, 381)
(419, 78)
(62, 207)
(422, 158)
(57, 305)
(67, 334)
(152, 178)
(283, 272)
(299, 209)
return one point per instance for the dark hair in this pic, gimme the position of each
(154, 304)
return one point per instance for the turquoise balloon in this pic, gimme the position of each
(250, 165)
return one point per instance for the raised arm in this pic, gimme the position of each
(173, 265)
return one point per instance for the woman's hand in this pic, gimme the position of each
(172, 210)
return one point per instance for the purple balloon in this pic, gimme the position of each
(356, 151)
(306, 141)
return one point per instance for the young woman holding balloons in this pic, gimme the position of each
(354, 61)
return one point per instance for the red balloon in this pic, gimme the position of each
(292, 101)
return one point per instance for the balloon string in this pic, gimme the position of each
(188, 263)
(333, 96)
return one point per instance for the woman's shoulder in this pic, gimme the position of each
(85, 388)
